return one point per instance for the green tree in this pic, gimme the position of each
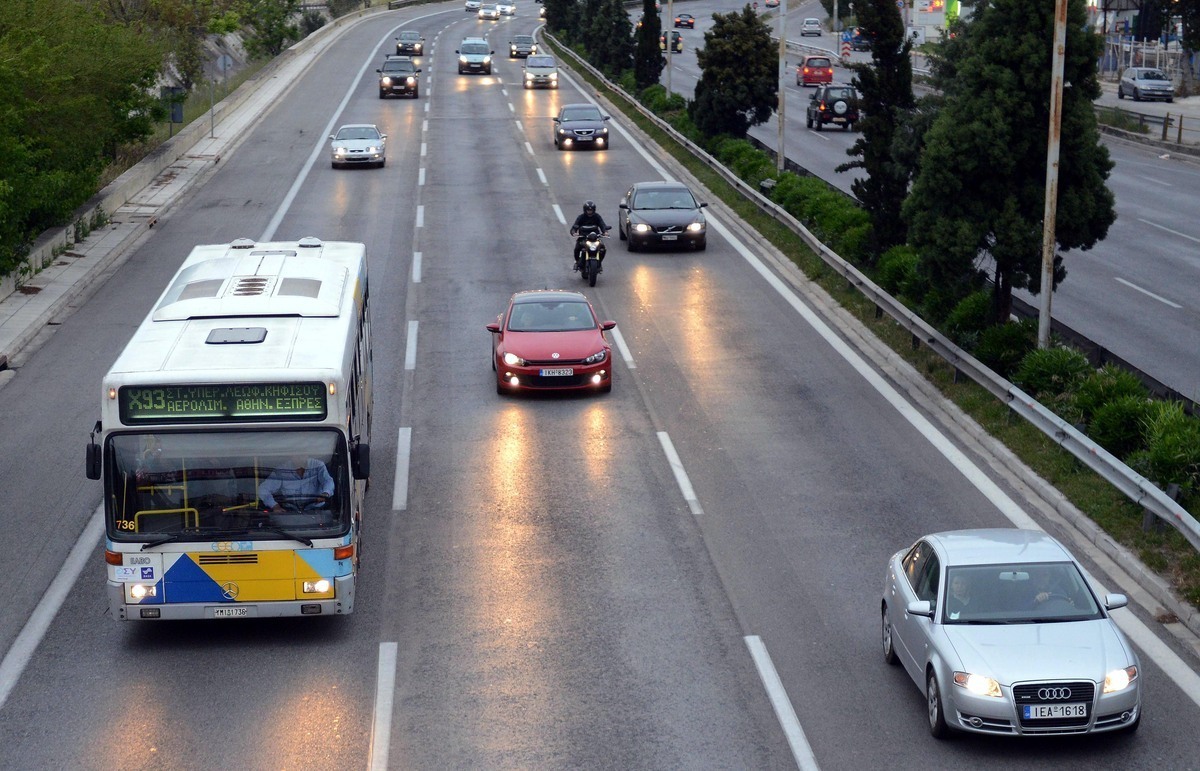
(648, 60)
(976, 205)
(887, 101)
(73, 88)
(609, 40)
(739, 75)
(269, 26)
(1189, 14)
(562, 17)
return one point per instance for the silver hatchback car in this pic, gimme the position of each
(1145, 83)
(1003, 633)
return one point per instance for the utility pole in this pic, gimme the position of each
(666, 33)
(1052, 148)
(780, 160)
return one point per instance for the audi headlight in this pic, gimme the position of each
(596, 358)
(695, 227)
(1119, 679)
(978, 684)
(513, 360)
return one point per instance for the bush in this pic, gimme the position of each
(1117, 425)
(896, 269)
(1052, 372)
(969, 318)
(1106, 385)
(1172, 446)
(1003, 347)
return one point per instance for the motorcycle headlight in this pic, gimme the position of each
(513, 360)
(596, 358)
(695, 227)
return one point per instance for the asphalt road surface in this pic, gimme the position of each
(685, 573)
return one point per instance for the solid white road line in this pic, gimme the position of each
(624, 349)
(385, 692)
(784, 713)
(31, 634)
(400, 487)
(681, 477)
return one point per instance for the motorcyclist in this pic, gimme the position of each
(589, 216)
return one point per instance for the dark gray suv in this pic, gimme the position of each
(833, 105)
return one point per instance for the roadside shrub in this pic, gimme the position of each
(1172, 446)
(311, 21)
(969, 318)
(1002, 347)
(896, 269)
(794, 190)
(1117, 425)
(1052, 372)
(1106, 385)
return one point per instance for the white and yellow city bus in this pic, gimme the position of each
(234, 437)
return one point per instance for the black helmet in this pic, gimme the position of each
(589, 207)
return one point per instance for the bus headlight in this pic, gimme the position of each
(320, 586)
(142, 591)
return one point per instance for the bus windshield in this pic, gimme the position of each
(227, 485)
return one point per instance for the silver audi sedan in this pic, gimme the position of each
(1003, 633)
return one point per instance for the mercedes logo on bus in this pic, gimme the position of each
(229, 590)
(1054, 694)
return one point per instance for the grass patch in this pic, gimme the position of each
(1162, 549)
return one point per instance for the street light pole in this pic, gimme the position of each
(667, 38)
(1052, 151)
(780, 160)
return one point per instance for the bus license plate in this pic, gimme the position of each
(230, 612)
(1051, 711)
(558, 372)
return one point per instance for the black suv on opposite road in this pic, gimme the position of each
(833, 105)
(398, 77)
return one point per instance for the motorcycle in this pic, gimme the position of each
(589, 251)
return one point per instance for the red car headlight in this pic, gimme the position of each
(596, 358)
(513, 360)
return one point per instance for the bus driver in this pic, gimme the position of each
(305, 484)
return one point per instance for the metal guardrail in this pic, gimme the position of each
(1136, 487)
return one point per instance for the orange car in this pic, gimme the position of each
(814, 71)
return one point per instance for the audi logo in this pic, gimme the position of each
(1054, 694)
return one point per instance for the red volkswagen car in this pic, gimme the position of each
(550, 339)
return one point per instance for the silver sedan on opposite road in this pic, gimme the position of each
(1002, 632)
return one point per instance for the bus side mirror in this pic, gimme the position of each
(93, 461)
(360, 460)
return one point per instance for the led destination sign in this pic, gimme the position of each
(223, 402)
